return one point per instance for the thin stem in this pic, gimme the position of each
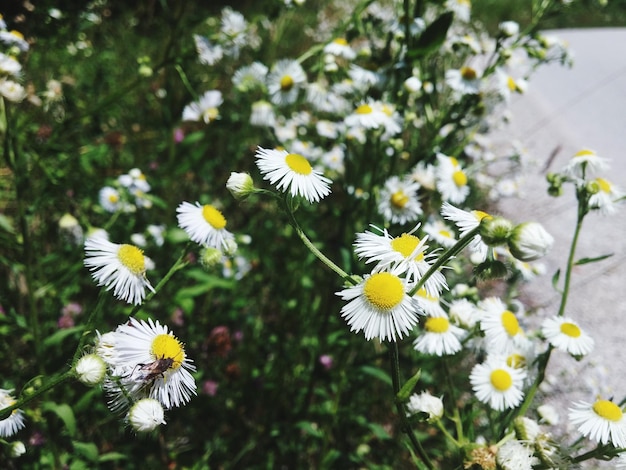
(405, 424)
(570, 259)
(451, 391)
(4, 413)
(443, 259)
(91, 321)
(179, 264)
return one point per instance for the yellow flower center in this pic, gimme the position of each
(585, 153)
(511, 83)
(501, 380)
(607, 410)
(286, 82)
(510, 323)
(340, 41)
(480, 215)
(210, 114)
(468, 73)
(516, 361)
(168, 347)
(605, 186)
(17, 34)
(383, 290)
(406, 244)
(213, 217)
(113, 198)
(399, 199)
(454, 161)
(459, 178)
(132, 258)
(437, 325)
(424, 294)
(445, 233)
(364, 109)
(571, 330)
(298, 163)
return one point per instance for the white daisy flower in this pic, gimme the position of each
(339, 47)
(440, 337)
(451, 180)
(606, 198)
(497, 384)
(465, 80)
(11, 425)
(407, 253)
(438, 231)
(424, 174)
(379, 305)
(118, 267)
(250, 76)
(262, 114)
(460, 8)
(374, 115)
(548, 414)
(9, 66)
(587, 161)
(293, 172)
(503, 332)
(14, 38)
(333, 160)
(429, 303)
(565, 334)
(529, 241)
(12, 91)
(362, 79)
(463, 313)
(156, 359)
(109, 199)
(515, 455)
(205, 109)
(145, 415)
(208, 53)
(204, 224)
(284, 81)
(398, 201)
(602, 421)
(466, 222)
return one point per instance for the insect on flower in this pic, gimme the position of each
(149, 372)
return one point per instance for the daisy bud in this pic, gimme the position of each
(548, 414)
(90, 369)
(491, 269)
(17, 449)
(495, 230)
(240, 185)
(425, 403)
(210, 257)
(529, 241)
(146, 415)
(509, 28)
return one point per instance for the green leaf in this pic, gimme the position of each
(555, 280)
(65, 413)
(310, 429)
(59, 336)
(592, 260)
(111, 457)
(407, 388)
(433, 36)
(377, 373)
(5, 224)
(87, 450)
(379, 431)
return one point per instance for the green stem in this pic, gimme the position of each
(451, 392)
(179, 264)
(443, 259)
(570, 259)
(91, 321)
(405, 424)
(5, 412)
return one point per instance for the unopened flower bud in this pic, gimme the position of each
(530, 241)
(146, 414)
(492, 269)
(425, 403)
(495, 230)
(240, 185)
(90, 369)
(210, 257)
(17, 448)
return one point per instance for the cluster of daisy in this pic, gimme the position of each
(143, 369)
(595, 192)
(128, 193)
(10, 67)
